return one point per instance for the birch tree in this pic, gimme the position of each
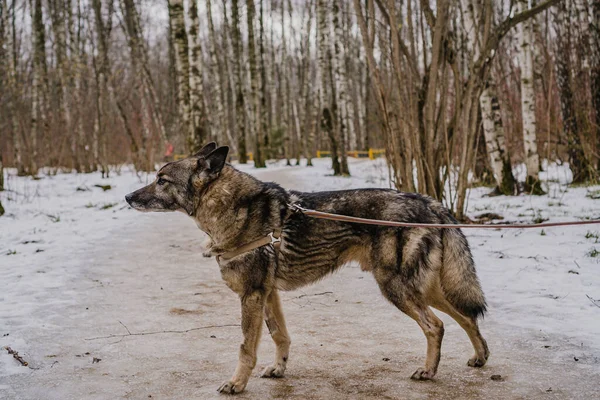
(264, 116)
(198, 116)
(222, 125)
(103, 93)
(63, 64)
(240, 114)
(341, 88)
(254, 86)
(11, 88)
(525, 46)
(39, 84)
(324, 94)
(180, 43)
(495, 143)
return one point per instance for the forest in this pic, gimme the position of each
(457, 92)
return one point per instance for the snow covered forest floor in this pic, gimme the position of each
(89, 288)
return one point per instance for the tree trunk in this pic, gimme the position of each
(324, 68)
(341, 88)
(308, 125)
(198, 116)
(9, 18)
(494, 141)
(259, 162)
(57, 12)
(526, 43)
(240, 112)
(222, 126)
(99, 144)
(264, 115)
(180, 42)
(580, 165)
(595, 65)
(145, 161)
(38, 85)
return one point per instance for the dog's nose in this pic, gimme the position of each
(128, 198)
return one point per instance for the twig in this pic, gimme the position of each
(126, 328)
(316, 294)
(594, 302)
(16, 356)
(160, 332)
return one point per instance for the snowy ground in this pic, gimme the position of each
(84, 277)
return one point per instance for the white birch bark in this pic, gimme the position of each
(198, 116)
(58, 16)
(238, 86)
(341, 86)
(525, 35)
(9, 19)
(180, 41)
(493, 131)
(254, 103)
(222, 126)
(38, 76)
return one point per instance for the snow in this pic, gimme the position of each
(64, 279)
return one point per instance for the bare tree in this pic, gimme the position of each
(104, 95)
(341, 102)
(240, 113)
(198, 116)
(180, 43)
(525, 50)
(325, 96)
(255, 102)
(580, 164)
(595, 64)
(218, 70)
(39, 85)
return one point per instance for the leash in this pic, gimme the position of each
(274, 239)
(357, 220)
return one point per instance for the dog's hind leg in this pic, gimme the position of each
(276, 324)
(252, 313)
(409, 303)
(469, 324)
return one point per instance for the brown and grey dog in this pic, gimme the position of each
(415, 268)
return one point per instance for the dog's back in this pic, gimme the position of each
(423, 257)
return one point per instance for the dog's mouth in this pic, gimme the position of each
(134, 204)
(152, 205)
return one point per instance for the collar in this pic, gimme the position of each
(272, 238)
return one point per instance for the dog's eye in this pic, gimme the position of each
(161, 181)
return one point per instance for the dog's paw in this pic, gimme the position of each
(230, 387)
(422, 375)
(273, 371)
(476, 362)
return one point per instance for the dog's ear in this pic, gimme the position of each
(206, 150)
(214, 162)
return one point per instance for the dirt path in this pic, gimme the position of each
(347, 341)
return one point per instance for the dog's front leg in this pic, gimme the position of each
(252, 313)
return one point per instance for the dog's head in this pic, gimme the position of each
(178, 183)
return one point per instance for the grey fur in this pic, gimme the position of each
(415, 268)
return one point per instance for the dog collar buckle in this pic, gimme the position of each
(274, 237)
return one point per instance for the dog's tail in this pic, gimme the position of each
(458, 276)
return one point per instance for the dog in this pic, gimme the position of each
(415, 268)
